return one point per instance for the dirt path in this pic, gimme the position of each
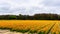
(8, 32)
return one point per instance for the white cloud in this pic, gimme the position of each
(29, 7)
(52, 2)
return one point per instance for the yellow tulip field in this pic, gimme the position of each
(32, 26)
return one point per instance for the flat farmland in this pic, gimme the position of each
(31, 26)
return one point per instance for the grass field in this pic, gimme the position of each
(32, 26)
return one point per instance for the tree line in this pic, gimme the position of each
(28, 17)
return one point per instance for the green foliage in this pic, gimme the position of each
(41, 32)
(34, 17)
(33, 31)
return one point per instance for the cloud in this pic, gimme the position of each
(29, 7)
(18, 6)
(52, 2)
(4, 7)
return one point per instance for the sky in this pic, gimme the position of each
(29, 7)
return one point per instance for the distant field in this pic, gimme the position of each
(32, 26)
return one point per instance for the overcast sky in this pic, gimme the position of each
(29, 7)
